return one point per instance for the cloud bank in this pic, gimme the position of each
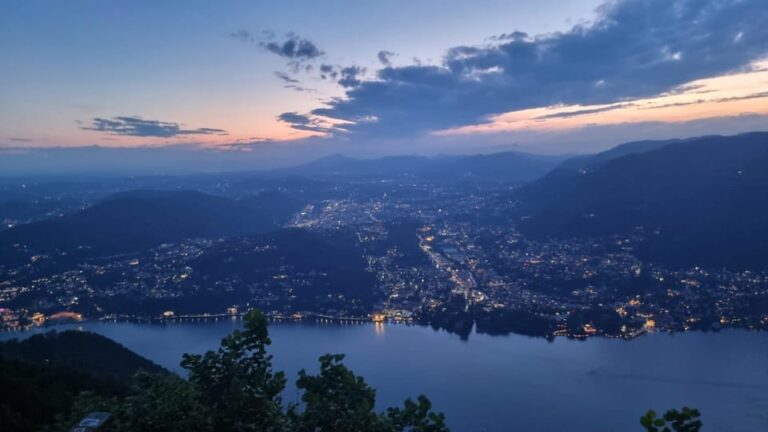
(139, 127)
(634, 49)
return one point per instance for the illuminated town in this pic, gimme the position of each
(434, 256)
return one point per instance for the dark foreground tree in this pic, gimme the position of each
(159, 403)
(236, 383)
(235, 389)
(336, 400)
(686, 420)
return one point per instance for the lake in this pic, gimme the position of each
(505, 383)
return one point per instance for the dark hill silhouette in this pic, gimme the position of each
(701, 201)
(78, 350)
(138, 220)
(597, 159)
(42, 376)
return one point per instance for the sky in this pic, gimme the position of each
(286, 80)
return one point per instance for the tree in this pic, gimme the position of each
(235, 389)
(336, 400)
(686, 420)
(236, 383)
(416, 417)
(162, 403)
(82, 404)
(159, 403)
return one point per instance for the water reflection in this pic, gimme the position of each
(378, 328)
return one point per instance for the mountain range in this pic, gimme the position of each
(505, 167)
(700, 201)
(141, 219)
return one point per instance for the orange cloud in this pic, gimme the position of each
(745, 92)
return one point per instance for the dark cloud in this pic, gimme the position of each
(294, 48)
(513, 36)
(350, 76)
(137, 126)
(284, 76)
(676, 104)
(306, 123)
(581, 112)
(688, 89)
(246, 36)
(294, 118)
(243, 36)
(20, 139)
(745, 97)
(634, 49)
(328, 72)
(385, 57)
(345, 76)
(301, 89)
(294, 84)
(759, 95)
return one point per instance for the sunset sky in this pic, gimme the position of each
(380, 77)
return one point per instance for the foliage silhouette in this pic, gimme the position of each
(234, 388)
(685, 420)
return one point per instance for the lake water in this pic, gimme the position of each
(509, 383)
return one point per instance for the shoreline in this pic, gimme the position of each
(307, 319)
